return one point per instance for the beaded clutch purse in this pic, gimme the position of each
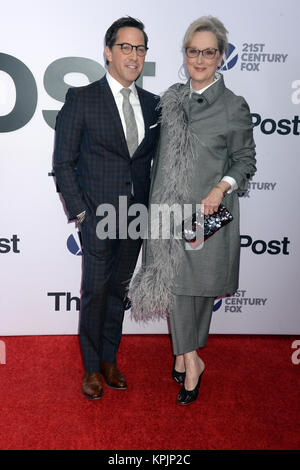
(204, 226)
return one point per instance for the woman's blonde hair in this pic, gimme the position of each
(208, 23)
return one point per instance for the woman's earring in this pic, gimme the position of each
(221, 62)
(182, 73)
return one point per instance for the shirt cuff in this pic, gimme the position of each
(232, 183)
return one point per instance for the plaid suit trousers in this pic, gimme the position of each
(108, 266)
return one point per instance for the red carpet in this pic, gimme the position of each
(249, 397)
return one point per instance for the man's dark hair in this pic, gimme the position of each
(125, 22)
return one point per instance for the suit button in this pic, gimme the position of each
(128, 182)
(200, 100)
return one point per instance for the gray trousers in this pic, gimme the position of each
(189, 322)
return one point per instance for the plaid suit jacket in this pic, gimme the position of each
(91, 159)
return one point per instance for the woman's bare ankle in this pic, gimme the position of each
(179, 363)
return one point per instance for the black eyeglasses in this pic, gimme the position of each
(208, 53)
(127, 48)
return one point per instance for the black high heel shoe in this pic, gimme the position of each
(185, 397)
(178, 376)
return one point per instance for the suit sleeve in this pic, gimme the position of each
(69, 129)
(240, 143)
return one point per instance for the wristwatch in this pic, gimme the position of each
(80, 217)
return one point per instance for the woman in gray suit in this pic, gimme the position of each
(206, 153)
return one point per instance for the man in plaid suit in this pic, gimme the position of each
(104, 147)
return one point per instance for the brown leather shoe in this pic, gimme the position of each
(92, 386)
(112, 375)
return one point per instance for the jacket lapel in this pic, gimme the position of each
(112, 110)
(146, 110)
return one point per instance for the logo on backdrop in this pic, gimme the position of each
(65, 301)
(7, 245)
(257, 186)
(230, 58)
(296, 94)
(236, 302)
(283, 126)
(26, 91)
(74, 245)
(252, 57)
(52, 174)
(262, 247)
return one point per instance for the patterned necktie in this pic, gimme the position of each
(130, 122)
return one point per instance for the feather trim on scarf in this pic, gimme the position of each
(151, 289)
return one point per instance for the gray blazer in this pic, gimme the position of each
(225, 146)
